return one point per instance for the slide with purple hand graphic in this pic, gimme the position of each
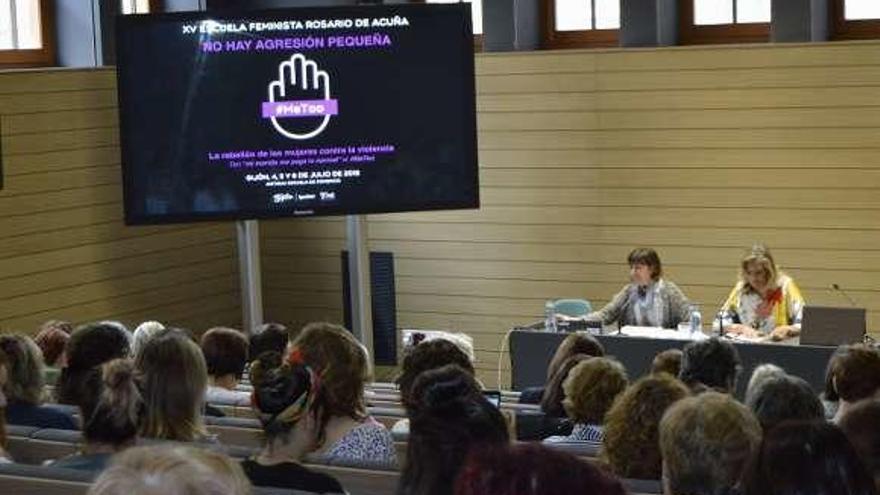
(297, 112)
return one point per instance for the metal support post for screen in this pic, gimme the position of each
(359, 279)
(249, 273)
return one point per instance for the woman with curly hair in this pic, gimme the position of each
(590, 389)
(631, 446)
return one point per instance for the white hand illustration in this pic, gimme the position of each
(300, 79)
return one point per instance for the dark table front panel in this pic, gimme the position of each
(530, 352)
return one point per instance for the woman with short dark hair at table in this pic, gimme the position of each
(648, 300)
(765, 302)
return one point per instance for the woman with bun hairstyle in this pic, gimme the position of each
(113, 423)
(284, 400)
(448, 417)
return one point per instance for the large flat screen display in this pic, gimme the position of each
(309, 111)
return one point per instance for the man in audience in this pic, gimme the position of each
(711, 364)
(784, 398)
(705, 442)
(226, 354)
(856, 375)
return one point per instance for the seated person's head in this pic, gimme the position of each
(806, 458)
(448, 416)
(429, 355)
(117, 414)
(89, 347)
(52, 340)
(711, 363)
(144, 332)
(270, 337)
(171, 470)
(648, 258)
(574, 343)
(226, 354)
(632, 424)
(761, 374)
(784, 398)
(284, 400)
(24, 369)
(668, 361)
(174, 378)
(591, 387)
(861, 424)
(551, 400)
(705, 442)
(341, 362)
(531, 469)
(856, 372)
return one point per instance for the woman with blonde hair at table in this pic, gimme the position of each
(764, 303)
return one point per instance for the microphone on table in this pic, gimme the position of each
(843, 293)
(719, 316)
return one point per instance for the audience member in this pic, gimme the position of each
(710, 364)
(830, 399)
(668, 361)
(531, 469)
(448, 416)
(572, 344)
(590, 389)
(632, 425)
(24, 386)
(52, 340)
(113, 424)
(173, 382)
(761, 374)
(784, 398)
(269, 337)
(345, 431)
(806, 458)
(705, 443)
(4, 364)
(142, 334)
(554, 395)
(427, 355)
(855, 376)
(284, 400)
(861, 424)
(171, 470)
(226, 355)
(89, 347)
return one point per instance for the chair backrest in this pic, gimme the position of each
(43, 480)
(573, 307)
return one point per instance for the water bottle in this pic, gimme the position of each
(696, 320)
(550, 316)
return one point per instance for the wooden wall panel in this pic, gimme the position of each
(697, 151)
(64, 251)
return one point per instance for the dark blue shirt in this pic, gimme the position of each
(19, 413)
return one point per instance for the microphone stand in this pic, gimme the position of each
(837, 288)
